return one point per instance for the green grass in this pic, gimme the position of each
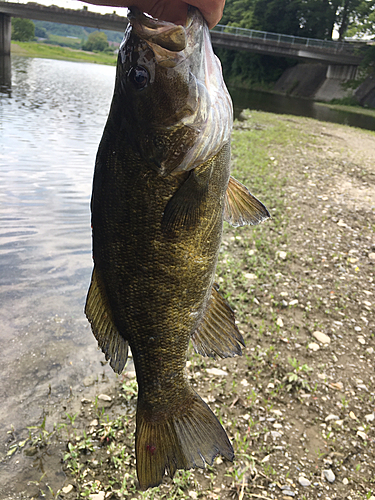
(64, 41)
(34, 49)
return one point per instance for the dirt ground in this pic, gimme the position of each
(299, 405)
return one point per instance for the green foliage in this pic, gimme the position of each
(238, 13)
(40, 32)
(23, 30)
(97, 41)
(67, 30)
(251, 70)
(309, 18)
(277, 16)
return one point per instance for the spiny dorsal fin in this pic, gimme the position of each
(97, 310)
(185, 436)
(241, 207)
(218, 334)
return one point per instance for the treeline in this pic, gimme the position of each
(65, 35)
(307, 18)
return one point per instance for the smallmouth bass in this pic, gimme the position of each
(161, 190)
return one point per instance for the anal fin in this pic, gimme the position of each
(217, 334)
(241, 207)
(97, 310)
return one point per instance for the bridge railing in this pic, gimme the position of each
(329, 45)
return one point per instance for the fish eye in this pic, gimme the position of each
(139, 77)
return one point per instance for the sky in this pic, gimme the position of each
(75, 4)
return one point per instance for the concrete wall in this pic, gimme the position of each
(320, 82)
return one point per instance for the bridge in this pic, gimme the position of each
(341, 58)
(329, 52)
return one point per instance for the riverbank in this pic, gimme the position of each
(299, 405)
(34, 49)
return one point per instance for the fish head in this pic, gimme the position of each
(174, 104)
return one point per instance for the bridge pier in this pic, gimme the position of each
(5, 34)
(5, 68)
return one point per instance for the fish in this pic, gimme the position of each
(161, 190)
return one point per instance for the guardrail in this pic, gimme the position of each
(315, 43)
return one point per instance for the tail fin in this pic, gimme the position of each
(185, 437)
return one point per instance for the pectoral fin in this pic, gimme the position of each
(218, 333)
(97, 310)
(186, 206)
(241, 207)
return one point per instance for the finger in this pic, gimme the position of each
(212, 10)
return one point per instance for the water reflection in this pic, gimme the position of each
(273, 103)
(5, 74)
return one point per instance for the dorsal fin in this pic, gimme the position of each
(218, 334)
(98, 312)
(241, 207)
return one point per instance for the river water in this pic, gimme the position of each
(51, 123)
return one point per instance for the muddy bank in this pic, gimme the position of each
(299, 405)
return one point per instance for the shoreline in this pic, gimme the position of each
(46, 51)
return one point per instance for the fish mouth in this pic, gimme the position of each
(163, 34)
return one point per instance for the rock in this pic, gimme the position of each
(370, 350)
(280, 322)
(193, 494)
(277, 412)
(331, 417)
(97, 496)
(329, 475)
(314, 346)
(104, 397)
(341, 223)
(370, 417)
(94, 423)
(321, 337)
(289, 493)
(371, 256)
(361, 340)
(67, 489)
(250, 276)
(282, 255)
(352, 415)
(345, 481)
(339, 386)
(362, 435)
(293, 302)
(217, 372)
(357, 328)
(303, 481)
(244, 382)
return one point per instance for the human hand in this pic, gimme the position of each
(174, 11)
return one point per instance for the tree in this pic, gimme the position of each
(277, 16)
(40, 32)
(364, 22)
(97, 40)
(23, 30)
(238, 13)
